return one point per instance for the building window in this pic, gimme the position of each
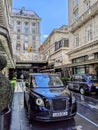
(80, 59)
(18, 30)
(56, 46)
(33, 24)
(89, 34)
(66, 42)
(76, 16)
(25, 46)
(34, 47)
(75, 3)
(79, 70)
(96, 55)
(33, 38)
(76, 40)
(62, 43)
(18, 22)
(26, 38)
(26, 23)
(26, 30)
(18, 46)
(87, 4)
(18, 37)
(33, 31)
(96, 29)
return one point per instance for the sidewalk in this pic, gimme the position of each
(19, 120)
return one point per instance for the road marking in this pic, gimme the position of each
(93, 107)
(77, 128)
(90, 105)
(19, 87)
(87, 119)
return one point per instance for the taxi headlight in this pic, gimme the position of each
(39, 102)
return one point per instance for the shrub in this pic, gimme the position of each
(65, 79)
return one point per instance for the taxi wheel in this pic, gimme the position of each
(82, 91)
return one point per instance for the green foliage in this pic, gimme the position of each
(65, 79)
(13, 82)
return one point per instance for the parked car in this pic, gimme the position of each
(47, 99)
(84, 83)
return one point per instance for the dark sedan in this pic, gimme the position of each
(47, 99)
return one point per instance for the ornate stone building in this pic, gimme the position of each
(5, 40)
(54, 50)
(25, 34)
(83, 27)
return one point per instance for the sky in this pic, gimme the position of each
(53, 13)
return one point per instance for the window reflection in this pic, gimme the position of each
(48, 81)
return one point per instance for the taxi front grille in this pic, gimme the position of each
(59, 104)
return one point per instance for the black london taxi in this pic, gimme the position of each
(47, 99)
(84, 83)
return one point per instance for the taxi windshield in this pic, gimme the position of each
(45, 80)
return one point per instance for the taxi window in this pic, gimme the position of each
(48, 81)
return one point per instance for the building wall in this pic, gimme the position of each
(80, 6)
(83, 30)
(25, 31)
(56, 57)
(5, 39)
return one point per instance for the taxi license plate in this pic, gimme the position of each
(60, 114)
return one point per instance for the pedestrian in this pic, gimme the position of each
(13, 83)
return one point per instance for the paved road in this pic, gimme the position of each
(86, 118)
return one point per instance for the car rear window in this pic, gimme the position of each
(92, 77)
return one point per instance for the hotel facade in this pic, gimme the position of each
(25, 34)
(83, 33)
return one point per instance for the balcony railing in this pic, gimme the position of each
(91, 12)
